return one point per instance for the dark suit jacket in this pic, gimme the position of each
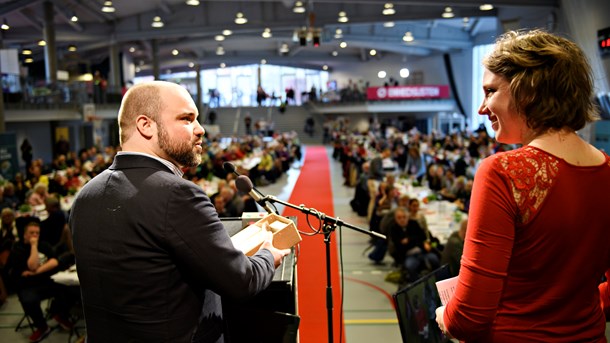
(153, 258)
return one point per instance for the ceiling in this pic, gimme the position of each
(191, 30)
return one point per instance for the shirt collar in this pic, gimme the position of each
(174, 168)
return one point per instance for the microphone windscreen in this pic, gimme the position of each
(244, 184)
(228, 167)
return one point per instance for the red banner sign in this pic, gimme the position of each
(408, 92)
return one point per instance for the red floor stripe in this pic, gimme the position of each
(375, 287)
(313, 190)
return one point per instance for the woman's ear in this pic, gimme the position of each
(146, 126)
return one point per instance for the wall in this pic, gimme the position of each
(433, 68)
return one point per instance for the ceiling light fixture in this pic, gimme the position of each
(157, 22)
(132, 49)
(388, 9)
(5, 25)
(191, 64)
(227, 32)
(26, 52)
(381, 74)
(388, 24)
(448, 13)
(373, 52)
(223, 65)
(284, 49)
(298, 7)
(325, 67)
(343, 45)
(267, 33)
(71, 47)
(108, 8)
(138, 69)
(28, 60)
(343, 17)
(263, 61)
(219, 38)
(335, 53)
(486, 7)
(338, 34)
(42, 42)
(175, 52)
(404, 73)
(408, 37)
(192, 2)
(220, 50)
(74, 18)
(240, 19)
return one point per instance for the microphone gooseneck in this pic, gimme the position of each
(244, 185)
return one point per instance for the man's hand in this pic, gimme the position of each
(34, 241)
(278, 254)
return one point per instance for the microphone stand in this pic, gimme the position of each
(330, 224)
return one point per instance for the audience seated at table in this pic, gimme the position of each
(31, 263)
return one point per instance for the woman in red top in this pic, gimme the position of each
(537, 240)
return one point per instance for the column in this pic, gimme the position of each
(155, 59)
(114, 77)
(50, 57)
(199, 88)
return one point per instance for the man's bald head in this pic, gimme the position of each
(144, 98)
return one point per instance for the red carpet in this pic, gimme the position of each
(313, 190)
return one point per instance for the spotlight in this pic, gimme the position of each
(240, 19)
(108, 8)
(298, 7)
(388, 9)
(157, 22)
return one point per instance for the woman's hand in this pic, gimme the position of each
(440, 312)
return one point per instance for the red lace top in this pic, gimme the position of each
(537, 245)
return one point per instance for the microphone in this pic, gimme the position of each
(244, 184)
(230, 168)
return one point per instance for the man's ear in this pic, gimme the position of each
(145, 126)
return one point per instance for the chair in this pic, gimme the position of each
(416, 308)
(27, 319)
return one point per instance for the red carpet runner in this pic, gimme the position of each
(313, 190)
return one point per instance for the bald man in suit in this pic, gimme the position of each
(153, 259)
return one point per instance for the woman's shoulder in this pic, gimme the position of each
(524, 161)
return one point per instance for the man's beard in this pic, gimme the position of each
(181, 152)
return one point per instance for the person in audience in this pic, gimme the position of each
(8, 237)
(409, 245)
(415, 165)
(361, 199)
(9, 198)
(452, 252)
(532, 261)
(376, 175)
(153, 258)
(385, 201)
(30, 265)
(39, 194)
(21, 188)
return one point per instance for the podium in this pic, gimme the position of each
(271, 315)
